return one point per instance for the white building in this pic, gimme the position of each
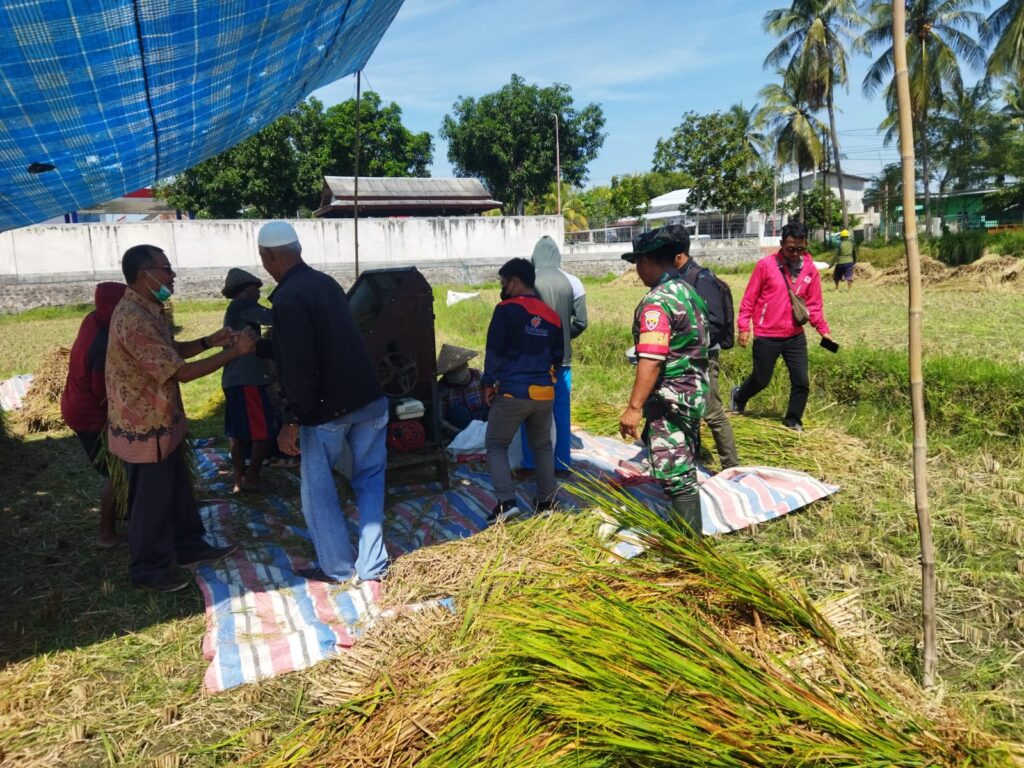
(666, 209)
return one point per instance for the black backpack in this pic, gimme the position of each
(728, 338)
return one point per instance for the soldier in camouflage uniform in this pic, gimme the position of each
(670, 329)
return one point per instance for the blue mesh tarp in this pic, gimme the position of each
(118, 95)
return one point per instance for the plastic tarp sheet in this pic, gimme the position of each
(118, 95)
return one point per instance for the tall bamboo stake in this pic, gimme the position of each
(914, 314)
(355, 180)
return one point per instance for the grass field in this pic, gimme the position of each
(96, 673)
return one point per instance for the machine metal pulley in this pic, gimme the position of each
(397, 374)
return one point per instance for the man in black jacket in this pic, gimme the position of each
(332, 397)
(704, 283)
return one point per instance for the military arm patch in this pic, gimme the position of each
(655, 333)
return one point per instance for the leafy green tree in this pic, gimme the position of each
(325, 141)
(970, 139)
(597, 206)
(885, 192)
(938, 41)
(507, 139)
(712, 149)
(573, 209)
(814, 35)
(823, 211)
(257, 175)
(280, 169)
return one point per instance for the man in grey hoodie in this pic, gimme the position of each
(564, 293)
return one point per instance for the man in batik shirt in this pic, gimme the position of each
(670, 329)
(146, 421)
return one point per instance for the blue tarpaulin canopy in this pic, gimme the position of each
(102, 97)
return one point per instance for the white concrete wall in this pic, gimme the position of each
(77, 251)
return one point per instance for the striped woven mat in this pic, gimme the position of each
(263, 620)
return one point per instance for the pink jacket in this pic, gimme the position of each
(766, 300)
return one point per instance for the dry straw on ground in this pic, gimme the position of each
(40, 410)
(990, 272)
(544, 645)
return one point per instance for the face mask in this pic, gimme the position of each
(162, 293)
(505, 294)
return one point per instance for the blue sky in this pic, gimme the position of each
(645, 63)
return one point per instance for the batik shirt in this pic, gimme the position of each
(671, 325)
(146, 416)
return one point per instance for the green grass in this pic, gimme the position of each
(83, 650)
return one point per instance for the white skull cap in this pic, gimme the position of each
(275, 233)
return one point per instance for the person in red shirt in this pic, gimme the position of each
(766, 305)
(83, 405)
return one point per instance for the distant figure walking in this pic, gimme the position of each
(844, 261)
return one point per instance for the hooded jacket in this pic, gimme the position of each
(562, 292)
(83, 404)
(766, 300)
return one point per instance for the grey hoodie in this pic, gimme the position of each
(563, 293)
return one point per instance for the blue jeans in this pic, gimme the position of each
(364, 431)
(563, 423)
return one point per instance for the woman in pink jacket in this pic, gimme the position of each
(766, 303)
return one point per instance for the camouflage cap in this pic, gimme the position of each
(672, 238)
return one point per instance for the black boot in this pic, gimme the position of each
(686, 513)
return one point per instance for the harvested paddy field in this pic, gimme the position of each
(797, 640)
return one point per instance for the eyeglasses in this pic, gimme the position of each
(166, 269)
(793, 249)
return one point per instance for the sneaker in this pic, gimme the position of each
(793, 424)
(167, 580)
(734, 406)
(205, 554)
(502, 511)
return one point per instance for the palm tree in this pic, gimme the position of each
(813, 51)
(754, 140)
(1005, 27)
(937, 41)
(795, 131)
(1012, 94)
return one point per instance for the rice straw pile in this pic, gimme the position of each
(685, 658)
(40, 411)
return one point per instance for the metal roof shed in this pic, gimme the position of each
(387, 196)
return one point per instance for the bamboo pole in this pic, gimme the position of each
(914, 315)
(355, 180)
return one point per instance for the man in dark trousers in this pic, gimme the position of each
(146, 426)
(703, 281)
(767, 307)
(332, 398)
(524, 351)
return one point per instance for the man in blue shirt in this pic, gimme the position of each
(524, 351)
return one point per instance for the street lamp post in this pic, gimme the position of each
(558, 167)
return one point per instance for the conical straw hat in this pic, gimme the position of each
(452, 357)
